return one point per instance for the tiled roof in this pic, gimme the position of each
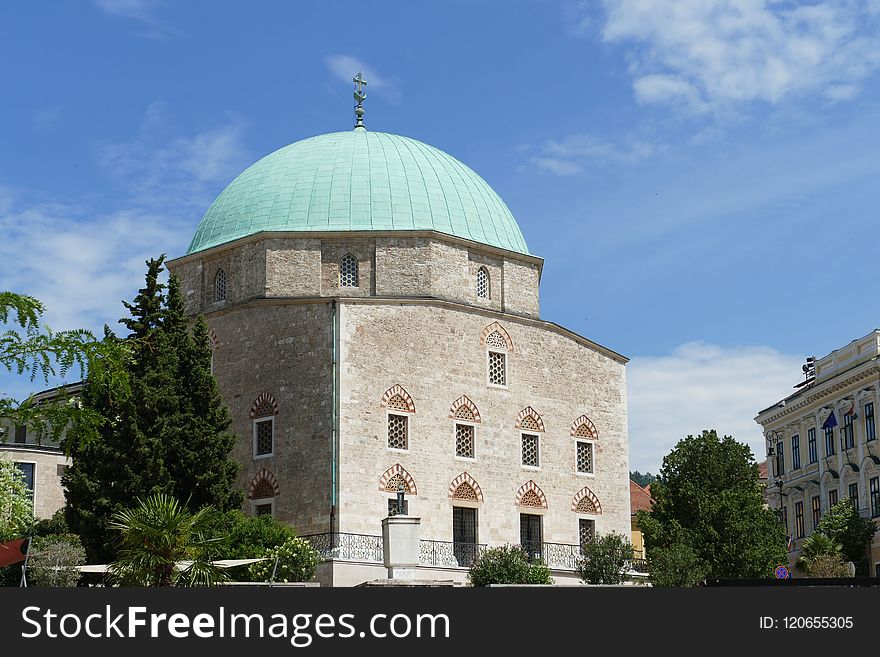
(639, 498)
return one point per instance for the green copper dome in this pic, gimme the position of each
(359, 180)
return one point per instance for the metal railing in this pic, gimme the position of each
(449, 554)
(339, 545)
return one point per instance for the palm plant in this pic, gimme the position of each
(163, 544)
(820, 556)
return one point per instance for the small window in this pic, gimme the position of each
(815, 505)
(829, 441)
(811, 445)
(584, 457)
(795, 452)
(799, 518)
(530, 450)
(464, 441)
(870, 428)
(586, 532)
(531, 535)
(263, 508)
(264, 430)
(854, 495)
(21, 434)
(28, 472)
(780, 458)
(875, 497)
(849, 440)
(348, 271)
(832, 497)
(497, 368)
(220, 286)
(398, 431)
(483, 283)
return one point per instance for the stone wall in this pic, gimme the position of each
(49, 466)
(435, 353)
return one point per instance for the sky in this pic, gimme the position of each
(700, 176)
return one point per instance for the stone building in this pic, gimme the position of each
(375, 316)
(822, 442)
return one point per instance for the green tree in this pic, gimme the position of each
(16, 514)
(156, 537)
(642, 479)
(843, 524)
(167, 433)
(295, 560)
(605, 560)
(245, 537)
(707, 497)
(507, 565)
(676, 565)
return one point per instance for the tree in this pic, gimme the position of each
(707, 498)
(156, 537)
(168, 432)
(243, 537)
(605, 560)
(843, 524)
(295, 560)
(676, 565)
(507, 565)
(53, 560)
(642, 479)
(16, 514)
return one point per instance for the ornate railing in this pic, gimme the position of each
(554, 555)
(639, 566)
(338, 545)
(446, 553)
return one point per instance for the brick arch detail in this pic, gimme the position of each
(582, 424)
(528, 411)
(213, 340)
(263, 399)
(531, 486)
(465, 478)
(397, 391)
(261, 476)
(584, 497)
(391, 472)
(495, 326)
(465, 401)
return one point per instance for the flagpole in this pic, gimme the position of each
(24, 565)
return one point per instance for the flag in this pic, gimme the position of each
(851, 409)
(830, 421)
(13, 551)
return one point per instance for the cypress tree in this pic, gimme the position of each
(169, 435)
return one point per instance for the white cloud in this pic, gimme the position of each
(142, 11)
(345, 67)
(703, 386)
(715, 54)
(579, 152)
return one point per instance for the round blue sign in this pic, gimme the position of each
(781, 572)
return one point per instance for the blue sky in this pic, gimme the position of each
(700, 176)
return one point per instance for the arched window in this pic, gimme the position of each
(263, 412)
(262, 492)
(483, 290)
(465, 419)
(498, 344)
(220, 286)
(400, 407)
(348, 271)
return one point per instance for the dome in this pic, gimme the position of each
(359, 180)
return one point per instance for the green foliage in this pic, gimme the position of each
(27, 348)
(297, 561)
(155, 537)
(56, 525)
(507, 565)
(53, 560)
(676, 565)
(242, 537)
(168, 432)
(843, 525)
(605, 560)
(16, 515)
(642, 479)
(707, 497)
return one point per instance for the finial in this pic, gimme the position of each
(360, 96)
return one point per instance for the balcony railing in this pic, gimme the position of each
(446, 553)
(354, 547)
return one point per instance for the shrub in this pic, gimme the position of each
(605, 560)
(507, 565)
(241, 537)
(53, 559)
(676, 565)
(297, 562)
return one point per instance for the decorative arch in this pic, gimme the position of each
(530, 494)
(398, 399)
(263, 485)
(528, 418)
(870, 461)
(213, 340)
(465, 487)
(348, 271)
(585, 501)
(583, 427)
(391, 479)
(464, 409)
(264, 406)
(495, 335)
(220, 285)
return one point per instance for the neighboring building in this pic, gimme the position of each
(639, 500)
(375, 316)
(822, 441)
(40, 459)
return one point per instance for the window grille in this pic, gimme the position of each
(348, 271)
(482, 283)
(263, 509)
(465, 491)
(497, 369)
(586, 531)
(397, 431)
(220, 286)
(464, 441)
(584, 457)
(530, 450)
(264, 430)
(495, 339)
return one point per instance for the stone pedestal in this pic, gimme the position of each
(400, 540)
